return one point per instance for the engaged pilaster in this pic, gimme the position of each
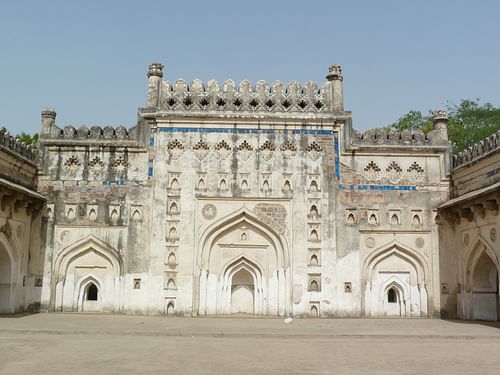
(335, 88)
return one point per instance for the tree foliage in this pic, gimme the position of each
(29, 139)
(468, 122)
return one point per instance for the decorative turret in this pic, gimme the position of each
(49, 128)
(155, 75)
(440, 119)
(335, 88)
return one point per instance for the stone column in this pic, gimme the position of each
(440, 119)
(335, 88)
(155, 75)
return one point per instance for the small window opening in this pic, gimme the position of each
(137, 283)
(313, 186)
(92, 293)
(314, 286)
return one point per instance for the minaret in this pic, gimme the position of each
(155, 74)
(335, 88)
(440, 120)
(49, 128)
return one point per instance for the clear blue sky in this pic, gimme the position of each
(89, 59)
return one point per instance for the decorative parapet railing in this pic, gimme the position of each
(17, 147)
(478, 150)
(248, 98)
(244, 97)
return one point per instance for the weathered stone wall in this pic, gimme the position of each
(253, 198)
(468, 227)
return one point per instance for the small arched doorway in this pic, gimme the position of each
(91, 296)
(394, 301)
(485, 289)
(5, 281)
(242, 292)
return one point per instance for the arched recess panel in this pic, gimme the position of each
(236, 243)
(483, 295)
(5, 281)
(395, 283)
(81, 265)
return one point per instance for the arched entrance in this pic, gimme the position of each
(482, 278)
(242, 292)
(5, 281)
(87, 277)
(395, 282)
(244, 269)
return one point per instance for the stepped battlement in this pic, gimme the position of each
(19, 148)
(478, 150)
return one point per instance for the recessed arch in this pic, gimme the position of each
(396, 266)
(269, 270)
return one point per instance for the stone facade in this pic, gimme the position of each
(261, 199)
(250, 198)
(21, 245)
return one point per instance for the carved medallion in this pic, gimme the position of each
(370, 242)
(209, 211)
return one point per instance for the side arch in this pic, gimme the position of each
(401, 250)
(8, 293)
(86, 244)
(398, 265)
(89, 259)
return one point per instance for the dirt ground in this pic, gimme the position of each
(116, 344)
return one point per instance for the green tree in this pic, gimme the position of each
(469, 122)
(28, 139)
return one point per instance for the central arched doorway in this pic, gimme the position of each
(242, 292)
(243, 269)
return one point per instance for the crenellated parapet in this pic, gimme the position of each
(245, 97)
(437, 137)
(477, 151)
(94, 133)
(17, 147)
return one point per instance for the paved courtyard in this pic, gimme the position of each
(107, 344)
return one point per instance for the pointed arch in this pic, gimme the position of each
(82, 286)
(273, 285)
(233, 221)
(404, 252)
(83, 246)
(472, 254)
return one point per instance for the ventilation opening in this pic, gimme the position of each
(286, 104)
(237, 103)
(92, 292)
(188, 101)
